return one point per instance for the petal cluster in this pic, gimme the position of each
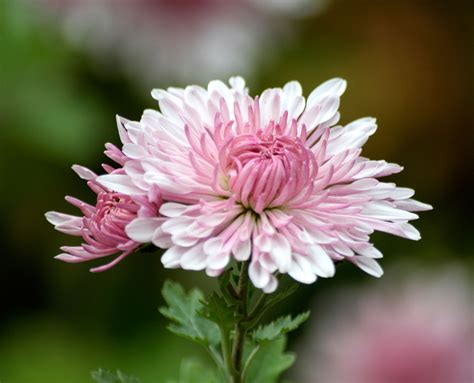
(269, 179)
(102, 226)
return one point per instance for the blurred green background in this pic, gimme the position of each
(408, 63)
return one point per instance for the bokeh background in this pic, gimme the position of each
(66, 69)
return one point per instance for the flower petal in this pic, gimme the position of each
(142, 229)
(120, 183)
(369, 265)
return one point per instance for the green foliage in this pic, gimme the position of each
(269, 362)
(278, 327)
(193, 371)
(227, 286)
(63, 118)
(218, 310)
(263, 302)
(205, 321)
(104, 376)
(283, 292)
(185, 310)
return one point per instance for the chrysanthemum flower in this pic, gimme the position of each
(103, 225)
(416, 330)
(152, 40)
(266, 179)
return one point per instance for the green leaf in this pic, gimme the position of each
(270, 362)
(226, 286)
(193, 371)
(265, 302)
(282, 293)
(218, 310)
(278, 327)
(104, 376)
(185, 310)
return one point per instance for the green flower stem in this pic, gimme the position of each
(247, 307)
(240, 330)
(227, 324)
(226, 353)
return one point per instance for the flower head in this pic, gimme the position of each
(268, 179)
(417, 330)
(103, 225)
(152, 40)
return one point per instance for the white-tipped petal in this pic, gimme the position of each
(263, 243)
(242, 250)
(301, 270)
(218, 261)
(69, 258)
(271, 286)
(171, 259)
(161, 239)
(281, 252)
(56, 218)
(213, 272)
(258, 275)
(369, 265)
(142, 229)
(370, 252)
(383, 211)
(84, 173)
(194, 258)
(134, 151)
(409, 231)
(413, 205)
(171, 209)
(237, 83)
(120, 183)
(333, 88)
(321, 263)
(213, 246)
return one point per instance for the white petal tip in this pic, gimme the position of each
(55, 218)
(369, 265)
(213, 273)
(83, 172)
(121, 120)
(120, 183)
(50, 216)
(237, 82)
(142, 229)
(339, 85)
(158, 94)
(68, 258)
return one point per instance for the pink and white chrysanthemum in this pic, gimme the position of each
(103, 225)
(268, 179)
(416, 329)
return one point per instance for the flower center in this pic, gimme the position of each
(114, 210)
(266, 170)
